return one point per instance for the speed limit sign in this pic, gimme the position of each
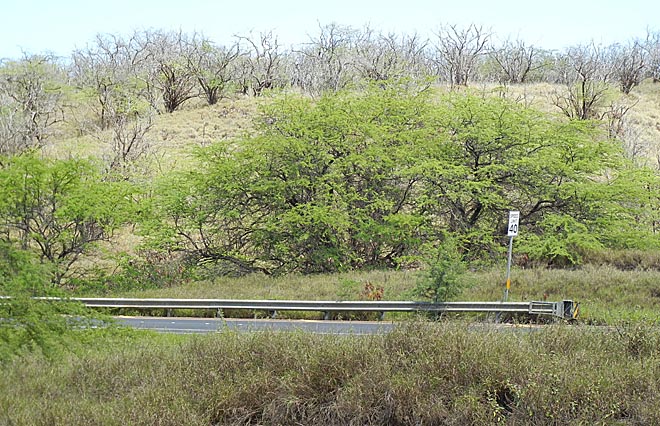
(512, 230)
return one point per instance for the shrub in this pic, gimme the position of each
(441, 281)
(27, 324)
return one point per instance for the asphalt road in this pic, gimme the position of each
(356, 328)
(210, 325)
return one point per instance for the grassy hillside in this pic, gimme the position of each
(197, 124)
(172, 137)
(642, 119)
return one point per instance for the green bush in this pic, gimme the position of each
(442, 280)
(59, 208)
(562, 243)
(26, 324)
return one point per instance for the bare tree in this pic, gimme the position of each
(635, 146)
(212, 66)
(628, 63)
(30, 102)
(144, 70)
(110, 69)
(161, 62)
(105, 68)
(128, 142)
(260, 67)
(615, 117)
(516, 61)
(388, 56)
(586, 85)
(171, 52)
(652, 49)
(457, 51)
(324, 62)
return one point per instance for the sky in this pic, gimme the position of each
(60, 26)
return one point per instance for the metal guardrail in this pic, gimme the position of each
(566, 309)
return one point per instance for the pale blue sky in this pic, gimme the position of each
(59, 26)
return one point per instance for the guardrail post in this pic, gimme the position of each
(219, 313)
(326, 315)
(273, 314)
(381, 315)
(168, 312)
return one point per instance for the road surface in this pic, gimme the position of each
(210, 325)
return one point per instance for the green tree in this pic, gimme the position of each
(494, 155)
(58, 207)
(326, 185)
(368, 179)
(27, 324)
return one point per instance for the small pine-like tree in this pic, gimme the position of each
(442, 280)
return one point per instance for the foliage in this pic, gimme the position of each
(442, 280)
(620, 212)
(563, 241)
(365, 179)
(324, 187)
(59, 207)
(629, 208)
(26, 324)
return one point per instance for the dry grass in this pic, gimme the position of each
(176, 135)
(419, 374)
(197, 124)
(340, 286)
(644, 121)
(173, 136)
(606, 294)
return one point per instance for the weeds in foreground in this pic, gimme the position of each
(422, 373)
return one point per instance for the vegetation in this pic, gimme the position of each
(358, 166)
(370, 179)
(442, 278)
(59, 208)
(439, 373)
(29, 326)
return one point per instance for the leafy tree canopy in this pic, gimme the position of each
(373, 178)
(58, 207)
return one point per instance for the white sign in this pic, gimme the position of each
(512, 229)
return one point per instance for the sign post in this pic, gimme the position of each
(512, 231)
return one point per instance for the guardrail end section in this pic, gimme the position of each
(562, 309)
(575, 309)
(568, 309)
